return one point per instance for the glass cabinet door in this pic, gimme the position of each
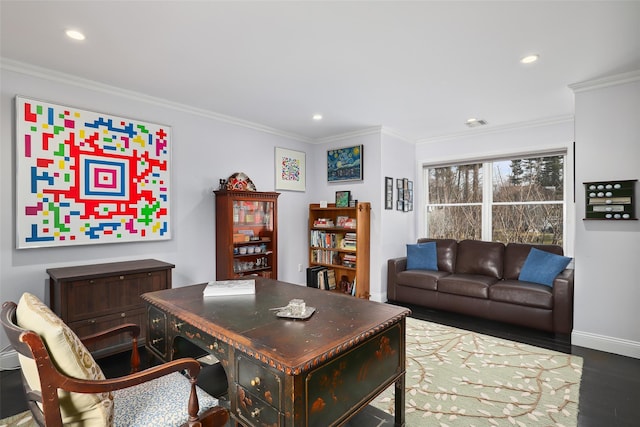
(246, 234)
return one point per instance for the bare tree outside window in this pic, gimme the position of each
(525, 200)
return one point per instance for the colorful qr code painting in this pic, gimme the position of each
(86, 177)
(290, 170)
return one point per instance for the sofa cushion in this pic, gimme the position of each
(522, 293)
(422, 279)
(481, 258)
(470, 285)
(542, 267)
(515, 255)
(446, 249)
(422, 256)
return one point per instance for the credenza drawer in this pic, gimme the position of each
(92, 325)
(259, 380)
(105, 295)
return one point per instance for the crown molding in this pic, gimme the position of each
(374, 130)
(613, 80)
(59, 77)
(499, 129)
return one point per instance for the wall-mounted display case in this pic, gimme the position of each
(610, 200)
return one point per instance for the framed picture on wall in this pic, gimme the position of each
(388, 193)
(85, 177)
(345, 164)
(290, 170)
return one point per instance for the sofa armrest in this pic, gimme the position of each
(563, 302)
(394, 266)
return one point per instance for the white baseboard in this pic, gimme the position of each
(605, 343)
(9, 360)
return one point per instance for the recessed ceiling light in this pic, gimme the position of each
(317, 117)
(75, 34)
(529, 59)
(475, 122)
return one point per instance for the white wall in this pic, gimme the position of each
(204, 150)
(367, 190)
(607, 293)
(397, 228)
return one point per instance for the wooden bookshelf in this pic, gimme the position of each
(339, 240)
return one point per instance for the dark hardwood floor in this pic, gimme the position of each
(609, 390)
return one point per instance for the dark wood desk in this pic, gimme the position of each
(316, 372)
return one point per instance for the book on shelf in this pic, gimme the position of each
(323, 222)
(331, 279)
(350, 223)
(217, 288)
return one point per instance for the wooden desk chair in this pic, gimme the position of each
(64, 384)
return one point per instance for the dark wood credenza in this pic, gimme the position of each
(95, 297)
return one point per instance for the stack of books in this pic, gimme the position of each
(349, 241)
(349, 260)
(221, 288)
(323, 222)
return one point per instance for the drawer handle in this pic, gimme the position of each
(178, 325)
(255, 382)
(92, 321)
(157, 340)
(121, 277)
(156, 320)
(92, 281)
(255, 413)
(123, 314)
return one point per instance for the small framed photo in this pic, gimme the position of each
(388, 193)
(342, 199)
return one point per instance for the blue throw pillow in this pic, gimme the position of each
(542, 267)
(422, 256)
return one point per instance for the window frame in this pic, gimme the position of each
(487, 203)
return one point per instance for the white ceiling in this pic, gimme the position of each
(418, 68)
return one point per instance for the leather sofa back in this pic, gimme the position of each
(515, 255)
(479, 257)
(446, 250)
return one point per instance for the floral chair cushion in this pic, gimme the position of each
(158, 403)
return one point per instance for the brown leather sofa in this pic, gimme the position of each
(480, 278)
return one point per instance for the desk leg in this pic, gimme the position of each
(399, 400)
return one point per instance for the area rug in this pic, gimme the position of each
(20, 420)
(460, 378)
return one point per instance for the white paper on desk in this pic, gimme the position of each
(219, 288)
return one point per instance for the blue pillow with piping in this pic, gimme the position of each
(542, 267)
(422, 256)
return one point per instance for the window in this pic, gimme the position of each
(505, 200)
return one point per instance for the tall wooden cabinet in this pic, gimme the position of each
(246, 234)
(339, 240)
(93, 298)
